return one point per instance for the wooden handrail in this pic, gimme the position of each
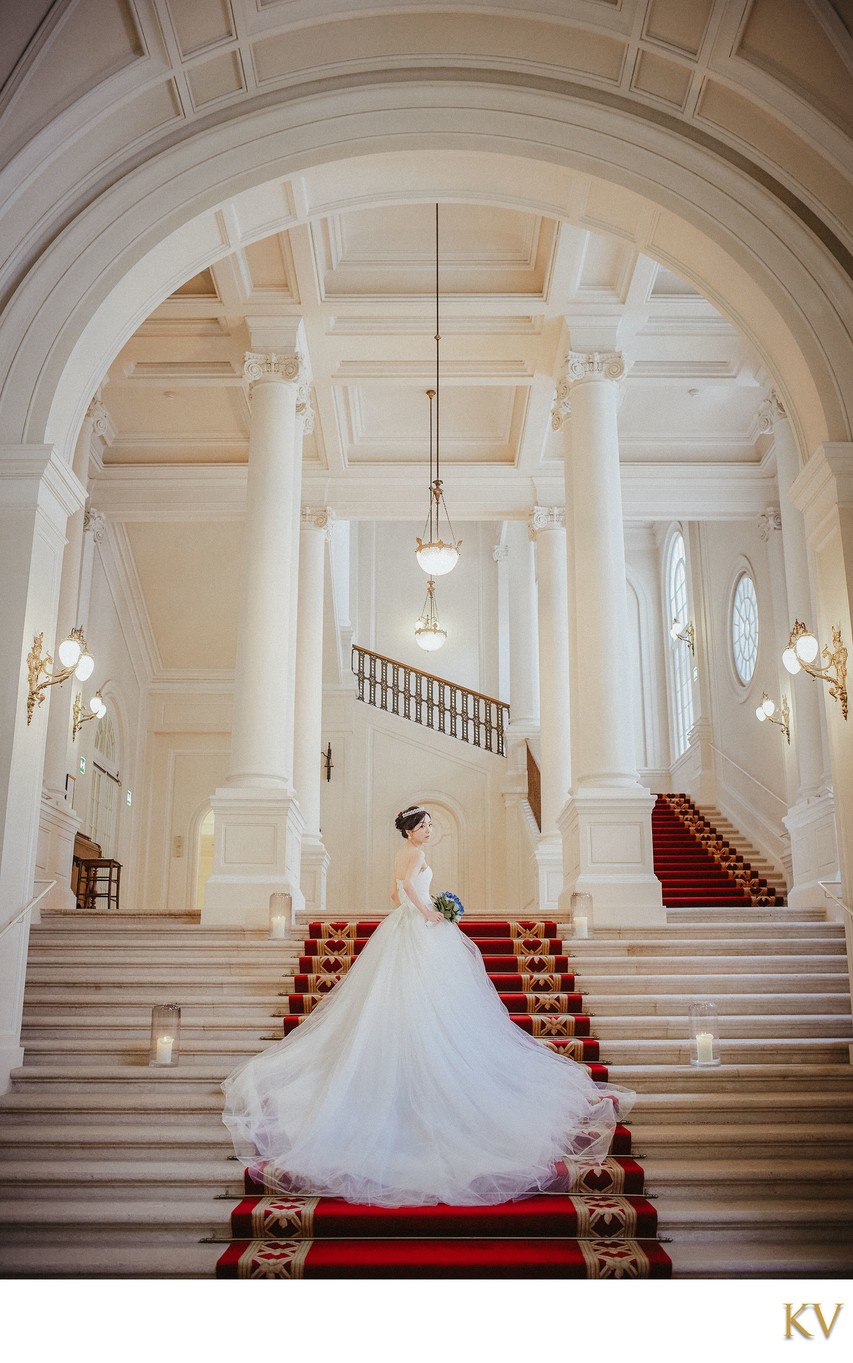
(534, 787)
(432, 701)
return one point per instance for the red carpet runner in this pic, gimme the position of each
(696, 866)
(599, 1227)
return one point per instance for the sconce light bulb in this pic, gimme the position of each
(69, 652)
(807, 648)
(790, 661)
(85, 667)
(759, 713)
(768, 706)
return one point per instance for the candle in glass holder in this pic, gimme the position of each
(581, 926)
(278, 926)
(164, 1049)
(705, 1048)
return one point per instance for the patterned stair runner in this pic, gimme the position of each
(597, 1226)
(696, 866)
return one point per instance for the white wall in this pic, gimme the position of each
(750, 758)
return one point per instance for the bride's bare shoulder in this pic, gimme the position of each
(408, 859)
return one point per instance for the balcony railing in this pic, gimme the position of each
(431, 701)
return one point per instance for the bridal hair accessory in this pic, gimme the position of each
(409, 819)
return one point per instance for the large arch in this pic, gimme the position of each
(752, 256)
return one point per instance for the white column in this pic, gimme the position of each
(523, 631)
(257, 821)
(58, 822)
(811, 819)
(547, 528)
(823, 492)
(606, 826)
(315, 534)
(38, 492)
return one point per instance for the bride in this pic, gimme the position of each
(409, 1084)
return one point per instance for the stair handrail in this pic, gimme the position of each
(749, 776)
(491, 726)
(28, 908)
(825, 884)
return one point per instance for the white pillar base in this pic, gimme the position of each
(549, 868)
(315, 866)
(58, 826)
(607, 852)
(814, 851)
(257, 843)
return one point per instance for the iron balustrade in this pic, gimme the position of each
(431, 701)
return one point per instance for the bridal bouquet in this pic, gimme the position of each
(449, 905)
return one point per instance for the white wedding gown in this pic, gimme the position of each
(409, 1084)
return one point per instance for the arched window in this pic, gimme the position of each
(744, 627)
(682, 689)
(105, 787)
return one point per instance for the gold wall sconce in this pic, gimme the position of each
(96, 710)
(803, 648)
(328, 764)
(767, 710)
(685, 633)
(74, 658)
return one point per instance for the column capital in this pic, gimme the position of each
(318, 518)
(561, 410)
(545, 518)
(594, 364)
(259, 365)
(95, 522)
(500, 553)
(770, 411)
(304, 405)
(99, 416)
(769, 523)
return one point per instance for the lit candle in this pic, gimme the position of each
(279, 924)
(164, 1049)
(582, 926)
(705, 1048)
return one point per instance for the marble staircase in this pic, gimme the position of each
(109, 1168)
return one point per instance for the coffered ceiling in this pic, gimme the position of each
(515, 288)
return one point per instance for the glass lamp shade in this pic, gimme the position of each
(165, 1044)
(676, 629)
(102, 710)
(281, 904)
(437, 558)
(759, 713)
(768, 706)
(807, 648)
(791, 661)
(430, 635)
(705, 1034)
(85, 667)
(69, 652)
(94, 704)
(581, 913)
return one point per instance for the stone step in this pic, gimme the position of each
(732, 1077)
(96, 1224)
(737, 1050)
(208, 1177)
(604, 981)
(600, 947)
(823, 1179)
(190, 1260)
(774, 1141)
(151, 1139)
(745, 1027)
(601, 1006)
(765, 913)
(128, 1007)
(755, 1221)
(660, 963)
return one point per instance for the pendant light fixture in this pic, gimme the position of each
(428, 631)
(435, 555)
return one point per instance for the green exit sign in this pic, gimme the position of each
(82, 766)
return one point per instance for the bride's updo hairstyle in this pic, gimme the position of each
(409, 819)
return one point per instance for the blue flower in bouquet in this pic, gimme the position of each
(450, 906)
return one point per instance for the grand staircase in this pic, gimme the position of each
(109, 1168)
